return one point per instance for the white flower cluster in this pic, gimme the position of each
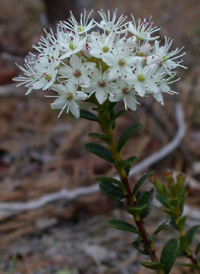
(120, 61)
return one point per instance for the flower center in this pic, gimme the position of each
(105, 49)
(102, 84)
(80, 28)
(165, 58)
(48, 78)
(125, 90)
(141, 78)
(71, 46)
(69, 96)
(77, 73)
(121, 62)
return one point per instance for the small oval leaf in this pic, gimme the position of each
(162, 200)
(169, 254)
(181, 224)
(137, 209)
(122, 225)
(126, 135)
(160, 228)
(127, 162)
(85, 114)
(110, 180)
(146, 197)
(112, 120)
(191, 232)
(100, 108)
(197, 249)
(111, 191)
(153, 265)
(100, 151)
(111, 105)
(140, 247)
(193, 266)
(141, 181)
(184, 243)
(105, 138)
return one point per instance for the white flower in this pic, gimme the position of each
(48, 50)
(48, 77)
(117, 61)
(142, 78)
(67, 98)
(100, 85)
(48, 53)
(143, 30)
(82, 27)
(163, 85)
(120, 61)
(108, 24)
(101, 44)
(70, 43)
(167, 58)
(125, 92)
(77, 72)
(153, 59)
(36, 76)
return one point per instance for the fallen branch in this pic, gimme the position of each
(69, 195)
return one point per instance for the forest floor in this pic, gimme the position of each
(40, 154)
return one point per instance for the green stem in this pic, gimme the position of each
(103, 121)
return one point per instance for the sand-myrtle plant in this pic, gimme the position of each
(105, 63)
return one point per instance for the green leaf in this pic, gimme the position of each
(183, 253)
(173, 224)
(153, 265)
(85, 114)
(111, 191)
(184, 243)
(105, 138)
(162, 200)
(100, 151)
(193, 266)
(169, 254)
(110, 180)
(145, 197)
(100, 108)
(181, 224)
(127, 169)
(121, 225)
(169, 212)
(112, 120)
(111, 105)
(191, 232)
(141, 181)
(197, 249)
(140, 246)
(174, 202)
(160, 228)
(126, 135)
(137, 209)
(127, 162)
(182, 202)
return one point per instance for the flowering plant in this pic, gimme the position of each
(120, 61)
(104, 63)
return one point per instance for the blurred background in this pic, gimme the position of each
(40, 154)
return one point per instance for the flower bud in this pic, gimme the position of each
(144, 50)
(154, 59)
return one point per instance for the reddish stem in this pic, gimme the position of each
(139, 223)
(193, 260)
